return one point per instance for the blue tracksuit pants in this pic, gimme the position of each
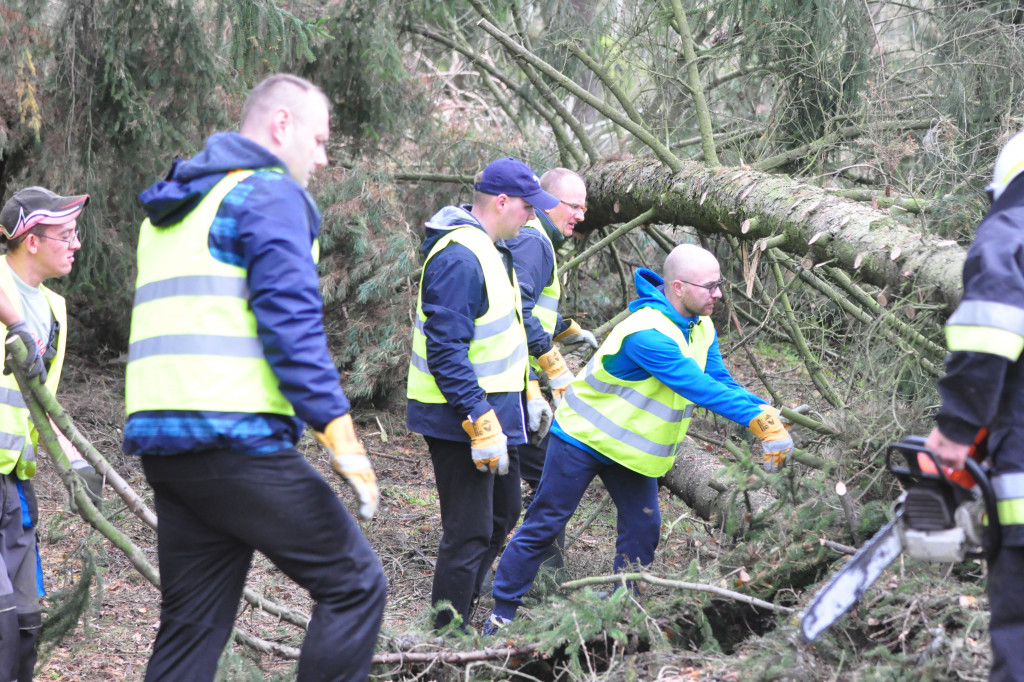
(568, 471)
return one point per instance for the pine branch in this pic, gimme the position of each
(677, 584)
(846, 133)
(618, 232)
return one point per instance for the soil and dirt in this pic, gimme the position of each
(112, 639)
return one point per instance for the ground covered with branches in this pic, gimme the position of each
(925, 620)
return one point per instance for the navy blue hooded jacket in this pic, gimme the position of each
(649, 353)
(534, 261)
(267, 225)
(453, 296)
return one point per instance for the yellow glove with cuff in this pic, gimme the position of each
(488, 443)
(576, 334)
(775, 439)
(559, 376)
(348, 458)
(538, 412)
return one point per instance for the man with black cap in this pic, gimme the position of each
(40, 231)
(468, 373)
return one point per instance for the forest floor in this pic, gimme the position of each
(112, 640)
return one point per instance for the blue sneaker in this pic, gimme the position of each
(495, 623)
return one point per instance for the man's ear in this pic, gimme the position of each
(280, 120)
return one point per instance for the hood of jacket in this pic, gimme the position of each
(174, 197)
(554, 234)
(446, 220)
(650, 290)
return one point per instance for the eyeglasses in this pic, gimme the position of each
(69, 240)
(575, 207)
(710, 286)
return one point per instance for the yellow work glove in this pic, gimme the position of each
(348, 457)
(559, 376)
(775, 439)
(576, 334)
(488, 443)
(538, 413)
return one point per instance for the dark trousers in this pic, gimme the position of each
(478, 511)
(215, 509)
(531, 467)
(568, 471)
(1006, 627)
(20, 617)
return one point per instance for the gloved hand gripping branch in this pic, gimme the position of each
(488, 443)
(348, 458)
(538, 412)
(576, 334)
(775, 439)
(559, 376)
(33, 364)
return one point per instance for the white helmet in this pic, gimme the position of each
(1009, 164)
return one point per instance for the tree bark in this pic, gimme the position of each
(689, 482)
(749, 204)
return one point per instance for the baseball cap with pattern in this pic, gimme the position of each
(38, 206)
(514, 178)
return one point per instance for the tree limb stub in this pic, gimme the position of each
(718, 201)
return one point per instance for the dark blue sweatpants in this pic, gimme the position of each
(568, 471)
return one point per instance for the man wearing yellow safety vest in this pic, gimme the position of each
(40, 231)
(984, 388)
(227, 362)
(625, 414)
(533, 253)
(467, 376)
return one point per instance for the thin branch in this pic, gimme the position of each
(446, 656)
(693, 76)
(846, 133)
(631, 225)
(677, 584)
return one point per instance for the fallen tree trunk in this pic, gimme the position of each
(692, 483)
(800, 219)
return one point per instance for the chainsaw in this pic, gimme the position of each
(937, 518)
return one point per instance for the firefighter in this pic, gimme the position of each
(984, 388)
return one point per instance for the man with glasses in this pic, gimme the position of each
(40, 232)
(467, 375)
(625, 414)
(533, 254)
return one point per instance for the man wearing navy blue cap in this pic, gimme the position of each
(468, 373)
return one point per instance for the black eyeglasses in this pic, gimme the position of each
(710, 287)
(575, 207)
(69, 240)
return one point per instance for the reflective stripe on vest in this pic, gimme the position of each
(986, 327)
(638, 424)
(18, 437)
(1009, 491)
(545, 308)
(193, 343)
(497, 350)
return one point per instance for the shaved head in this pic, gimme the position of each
(277, 91)
(688, 271)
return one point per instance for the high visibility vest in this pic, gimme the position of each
(638, 424)
(545, 309)
(193, 343)
(497, 350)
(18, 436)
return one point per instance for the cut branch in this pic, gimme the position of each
(679, 585)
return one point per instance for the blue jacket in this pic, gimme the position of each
(453, 296)
(650, 353)
(267, 225)
(534, 261)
